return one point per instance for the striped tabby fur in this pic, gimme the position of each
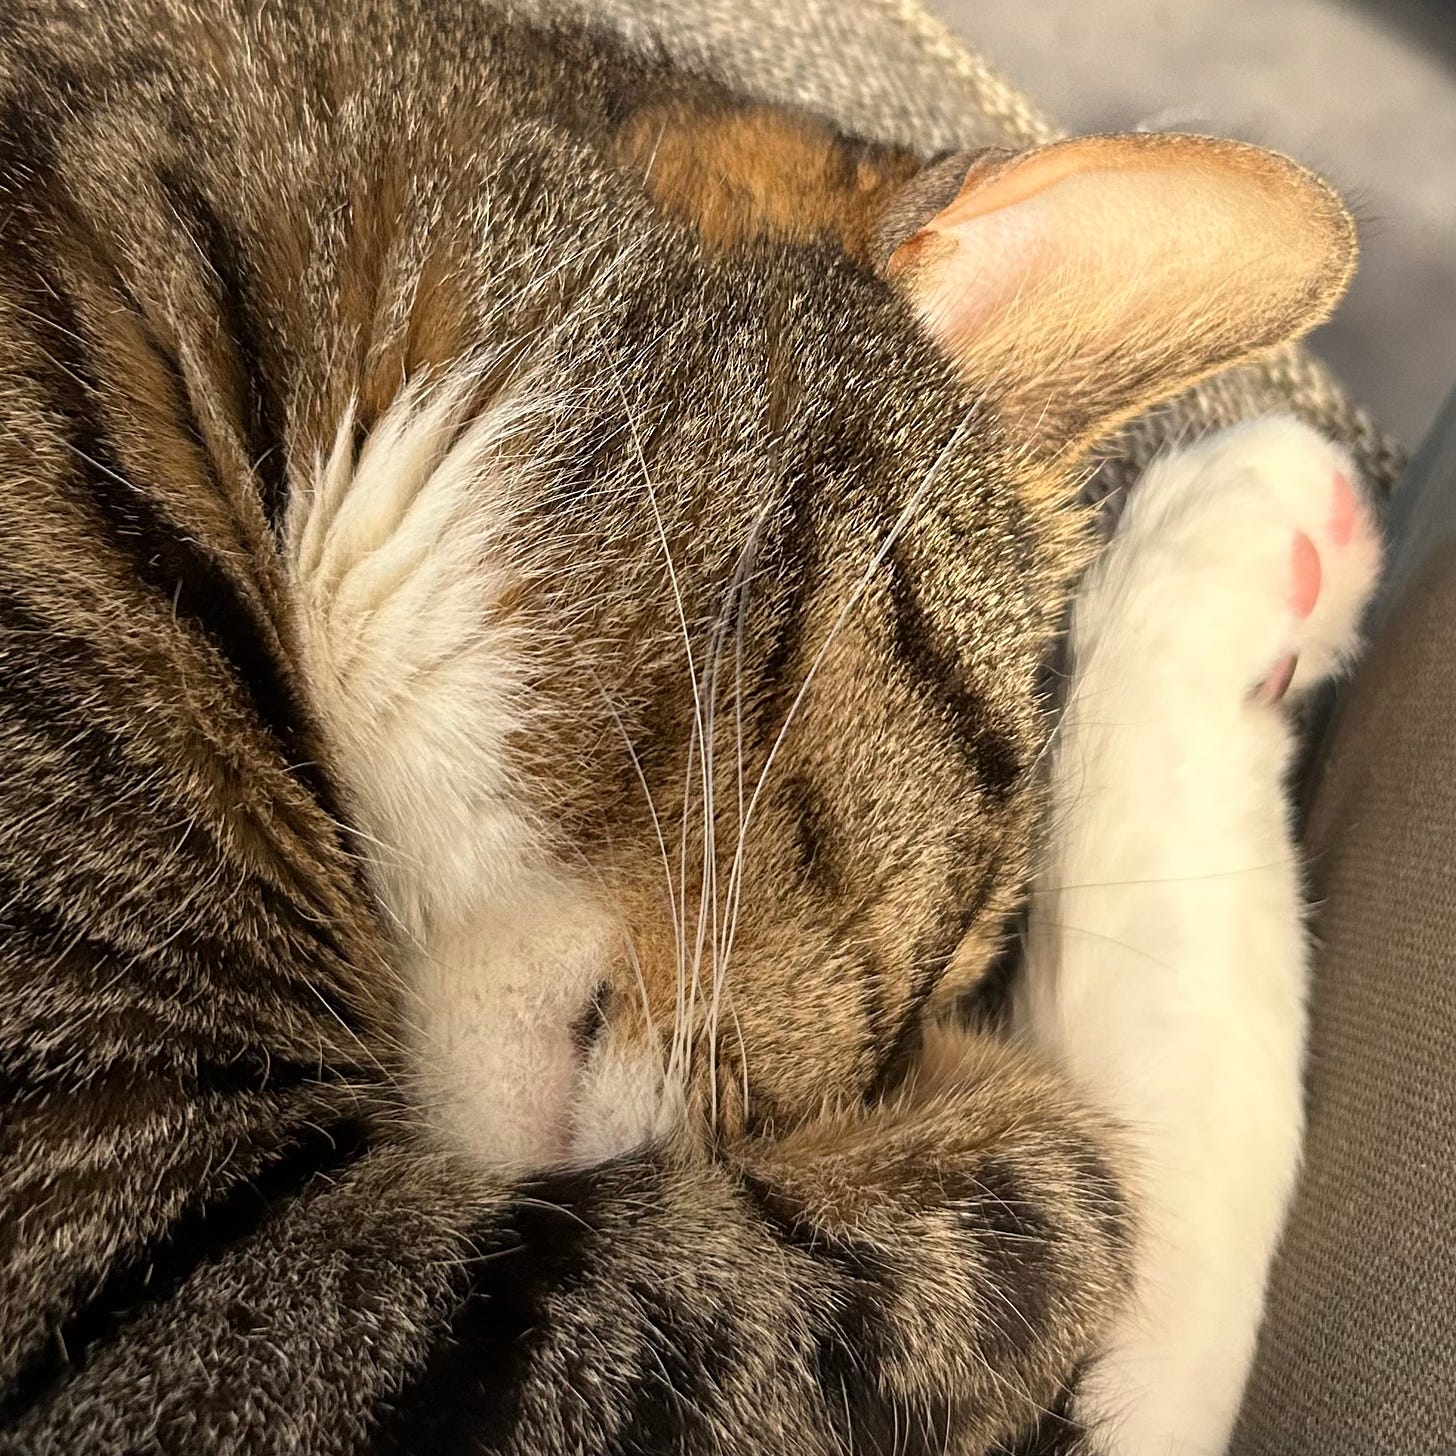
(235, 243)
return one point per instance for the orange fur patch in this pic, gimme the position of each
(743, 172)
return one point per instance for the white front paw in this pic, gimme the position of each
(1241, 563)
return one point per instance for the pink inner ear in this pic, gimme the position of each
(1007, 182)
(967, 265)
(1065, 245)
(1094, 276)
(997, 182)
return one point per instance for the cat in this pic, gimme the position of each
(520, 614)
(1165, 964)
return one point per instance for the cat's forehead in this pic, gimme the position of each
(780, 357)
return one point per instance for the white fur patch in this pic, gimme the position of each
(1166, 951)
(402, 563)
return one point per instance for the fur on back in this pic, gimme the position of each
(518, 685)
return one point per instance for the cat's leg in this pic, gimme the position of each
(914, 1277)
(917, 1276)
(1167, 957)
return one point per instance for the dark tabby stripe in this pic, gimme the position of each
(186, 579)
(189, 580)
(988, 746)
(1056, 1434)
(244, 325)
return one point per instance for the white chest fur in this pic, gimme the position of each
(401, 564)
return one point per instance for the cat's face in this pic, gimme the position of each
(784, 585)
(797, 534)
(809, 779)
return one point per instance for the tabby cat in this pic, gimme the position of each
(520, 609)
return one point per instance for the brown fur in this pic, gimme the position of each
(223, 227)
(737, 172)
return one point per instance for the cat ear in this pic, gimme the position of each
(1085, 280)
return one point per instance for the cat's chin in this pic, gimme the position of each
(501, 1068)
(551, 1110)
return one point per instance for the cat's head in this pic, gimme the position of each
(817, 495)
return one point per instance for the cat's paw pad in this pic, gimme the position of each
(1334, 562)
(1262, 550)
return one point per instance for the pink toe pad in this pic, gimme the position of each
(1304, 573)
(1277, 683)
(1342, 510)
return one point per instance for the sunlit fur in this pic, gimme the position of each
(520, 719)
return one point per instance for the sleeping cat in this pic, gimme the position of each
(519, 620)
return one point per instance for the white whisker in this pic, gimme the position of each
(897, 529)
(735, 609)
(684, 1022)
